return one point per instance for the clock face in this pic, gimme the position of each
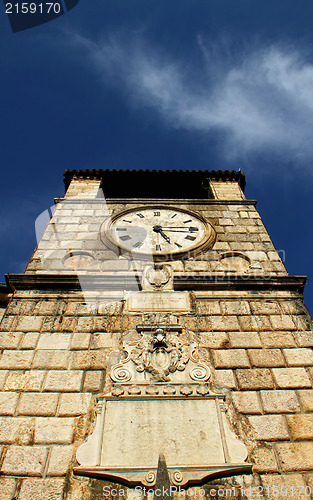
(158, 232)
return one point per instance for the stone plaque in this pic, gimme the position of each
(132, 432)
(154, 301)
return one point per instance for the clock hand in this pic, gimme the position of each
(173, 228)
(158, 229)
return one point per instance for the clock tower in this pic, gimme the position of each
(155, 344)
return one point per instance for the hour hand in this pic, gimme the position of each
(158, 229)
(164, 236)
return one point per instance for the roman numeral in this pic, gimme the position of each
(138, 244)
(127, 221)
(125, 237)
(121, 229)
(158, 247)
(173, 216)
(188, 237)
(141, 216)
(156, 214)
(192, 229)
(177, 244)
(185, 221)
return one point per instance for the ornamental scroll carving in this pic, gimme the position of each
(159, 356)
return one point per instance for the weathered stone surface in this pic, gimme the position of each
(266, 357)
(306, 399)
(74, 404)
(54, 430)
(80, 340)
(54, 341)
(269, 427)
(213, 340)
(60, 460)
(256, 378)
(50, 359)
(29, 380)
(42, 489)
(8, 402)
(93, 380)
(264, 459)
(230, 358)
(295, 456)
(299, 357)
(280, 401)
(7, 488)
(64, 381)
(38, 404)
(301, 426)
(16, 360)
(224, 379)
(277, 339)
(247, 402)
(25, 460)
(285, 486)
(244, 339)
(291, 377)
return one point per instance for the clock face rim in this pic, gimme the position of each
(206, 242)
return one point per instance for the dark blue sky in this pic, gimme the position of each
(185, 84)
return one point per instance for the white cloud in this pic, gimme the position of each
(260, 100)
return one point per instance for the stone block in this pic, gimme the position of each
(282, 487)
(3, 376)
(56, 341)
(80, 340)
(280, 401)
(295, 456)
(85, 324)
(266, 357)
(269, 427)
(16, 359)
(12, 430)
(264, 307)
(38, 404)
(60, 460)
(306, 399)
(264, 459)
(29, 340)
(103, 340)
(247, 402)
(93, 381)
(282, 322)
(257, 323)
(29, 323)
(74, 404)
(254, 379)
(301, 426)
(64, 380)
(51, 359)
(286, 378)
(209, 307)
(244, 339)
(58, 430)
(224, 323)
(89, 360)
(238, 307)
(277, 339)
(10, 340)
(304, 339)
(7, 488)
(30, 380)
(230, 358)
(42, 489)
(213, 340)
(299, 357)
(25, 461)
(8, 402)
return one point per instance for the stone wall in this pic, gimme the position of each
(248, 319)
